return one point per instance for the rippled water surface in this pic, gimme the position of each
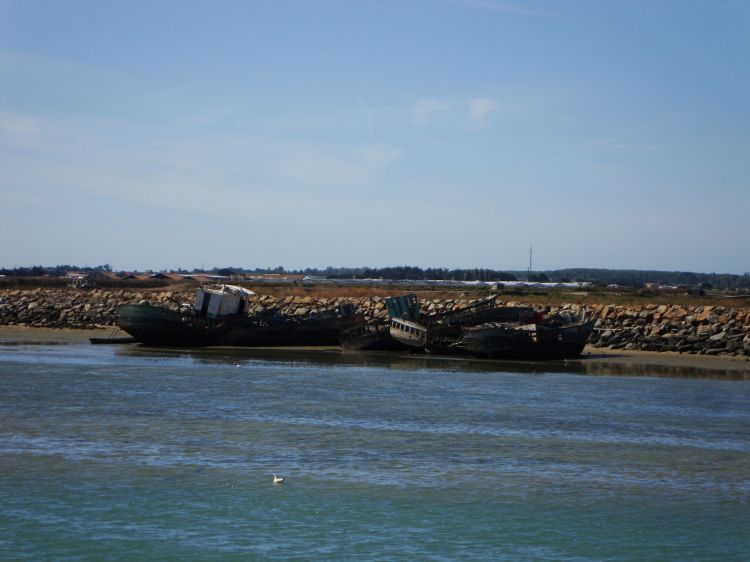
(123, 452)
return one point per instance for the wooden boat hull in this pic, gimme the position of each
(504, 342)
(158, 326)
(364, 339)
(154, 325)
(308, 332)
(486, 330)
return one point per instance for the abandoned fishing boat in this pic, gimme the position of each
(436, 333)
(221, 316)
(370, 338)
(553, 337)
(487, 330)
(405, 324)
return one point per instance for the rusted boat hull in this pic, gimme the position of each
(157, 326)
(486, 330)
(376, 339)
(154, 325)
(504, 342)
(307, 332)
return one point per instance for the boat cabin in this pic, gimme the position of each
(408, 332)
(226, 300)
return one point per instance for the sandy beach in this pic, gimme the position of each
(19, 335)
(603, 361)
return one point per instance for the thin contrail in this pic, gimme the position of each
(325, 55)
(362, 104)
(596, 143)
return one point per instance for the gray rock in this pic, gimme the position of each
(721, 336)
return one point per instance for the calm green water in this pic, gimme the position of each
(123, 453)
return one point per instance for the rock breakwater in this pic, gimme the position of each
(707, 330)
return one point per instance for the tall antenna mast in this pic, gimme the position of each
(531, 248)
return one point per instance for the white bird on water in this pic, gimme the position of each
(278, 479)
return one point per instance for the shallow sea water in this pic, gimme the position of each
(123, 452)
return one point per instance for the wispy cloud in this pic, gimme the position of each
(425, 109)
(481, 111)
(153, 165)
(13, 123)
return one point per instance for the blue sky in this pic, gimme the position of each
(448, 133)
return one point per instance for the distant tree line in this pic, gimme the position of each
(395, 272)
(623, 277)
(52, 271)
(418, 274)
(638, 278)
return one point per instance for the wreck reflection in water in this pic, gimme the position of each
(604, 364)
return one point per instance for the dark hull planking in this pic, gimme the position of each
(565, 342)
(158, 326)
(376, 340)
